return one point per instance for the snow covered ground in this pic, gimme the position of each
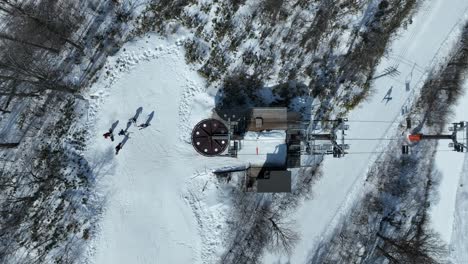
(458, 242)
(162, 203)
(148, 214)
(416, 50)
(449, 215)
(450, 165)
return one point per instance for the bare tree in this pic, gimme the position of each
(26, 42)
(26, 74)
(428, 248)
(282, 237)
(43, 17)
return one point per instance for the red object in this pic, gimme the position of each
(106, 135)
(415, 137)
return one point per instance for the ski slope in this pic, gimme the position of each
(414, 52)
(459, 213)
(450, 214)
(450, 165)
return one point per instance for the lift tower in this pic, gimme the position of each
(459, 137)
(337, 145)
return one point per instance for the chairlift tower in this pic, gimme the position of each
(337, 145)
(459, 137)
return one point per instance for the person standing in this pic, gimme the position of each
(118, 148)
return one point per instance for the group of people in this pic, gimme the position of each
(122, 132)
(109, 134)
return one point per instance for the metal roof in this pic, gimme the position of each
(274, 182)
(268, 118)
(210, 137)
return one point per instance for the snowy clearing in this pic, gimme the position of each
(148, 216)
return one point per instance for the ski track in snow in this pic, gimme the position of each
(188, 96)
(458, 244)
(450, 215)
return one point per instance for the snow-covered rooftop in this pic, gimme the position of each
(265, 148)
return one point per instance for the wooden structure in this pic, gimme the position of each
(268, 118)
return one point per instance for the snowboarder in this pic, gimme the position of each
(133, 120)
(109, 134)
(118, 148)
(121, 132)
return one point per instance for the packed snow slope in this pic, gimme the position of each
(148, 216)
(414, 52)
(450, 215)
(450, 165)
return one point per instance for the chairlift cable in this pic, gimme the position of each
(356, 139)
(358, 121)
(365, 139)
(372, 121)
(347, 153)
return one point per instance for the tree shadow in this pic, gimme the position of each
(239, 94)
(100, 164)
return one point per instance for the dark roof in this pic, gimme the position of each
(268, 118)
(209, 137)
(274, 182)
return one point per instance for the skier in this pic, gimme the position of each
(107, 134)
(118, 148)
(144, 125)
(133, 120)
(121, 132)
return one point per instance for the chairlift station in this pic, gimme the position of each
(228, 133)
